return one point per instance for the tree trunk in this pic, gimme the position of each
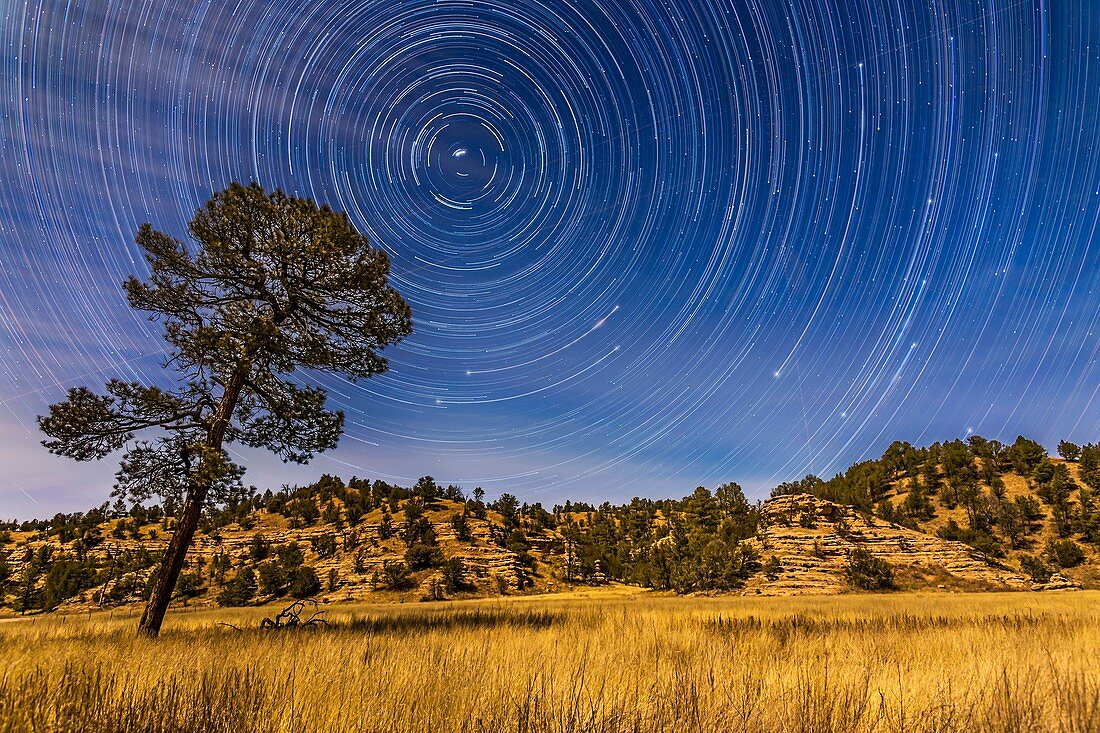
(172, 562)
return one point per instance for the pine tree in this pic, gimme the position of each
(272, 284)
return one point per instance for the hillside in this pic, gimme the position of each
(369, 559)
(812, 539)
(1017, 506)
(954, 517)
(1056, 535)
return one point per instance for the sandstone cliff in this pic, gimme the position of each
(812, 537)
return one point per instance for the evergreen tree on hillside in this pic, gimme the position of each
(1089, 465)
(1025, 454)
(1069, 451)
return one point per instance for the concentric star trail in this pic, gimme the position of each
(648, 244)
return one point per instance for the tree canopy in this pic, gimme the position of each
(271, 285)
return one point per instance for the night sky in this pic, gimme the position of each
(648, 244)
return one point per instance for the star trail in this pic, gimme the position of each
(648, 244)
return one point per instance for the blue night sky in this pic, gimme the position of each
(648, 244)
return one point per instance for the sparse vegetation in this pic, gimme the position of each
(1006, 501)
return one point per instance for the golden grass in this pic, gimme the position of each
(612, 660)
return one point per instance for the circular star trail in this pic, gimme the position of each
(647, 244)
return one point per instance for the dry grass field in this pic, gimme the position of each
(604, 660)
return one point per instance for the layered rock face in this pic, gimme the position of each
(812, 538)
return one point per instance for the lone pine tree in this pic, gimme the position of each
(271, 285)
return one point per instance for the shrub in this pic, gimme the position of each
(454, 578)
(305, 583)
(418, 529)
(189, 585)
(240, 590)
(273, 578)
(324, 545)
(385, 528)
(1065, 553)
(65, 578)
(843, 529)
(978, 539)
(1012, 523)
(461, 528)
(291, 556)
(517, 542)
(772, 567)
(420, 556)
(1063, 517)
(1030, 507)
(1035, 568)
(395, 576)
(123, 589)
(867, 572)
(917, 505)
(714, 565)
(260, 548)
(1090, 527)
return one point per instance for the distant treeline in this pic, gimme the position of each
(695, 543)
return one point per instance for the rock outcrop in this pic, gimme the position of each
(812, 538)
(1057, 582)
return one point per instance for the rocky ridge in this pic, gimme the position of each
(812, 538)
